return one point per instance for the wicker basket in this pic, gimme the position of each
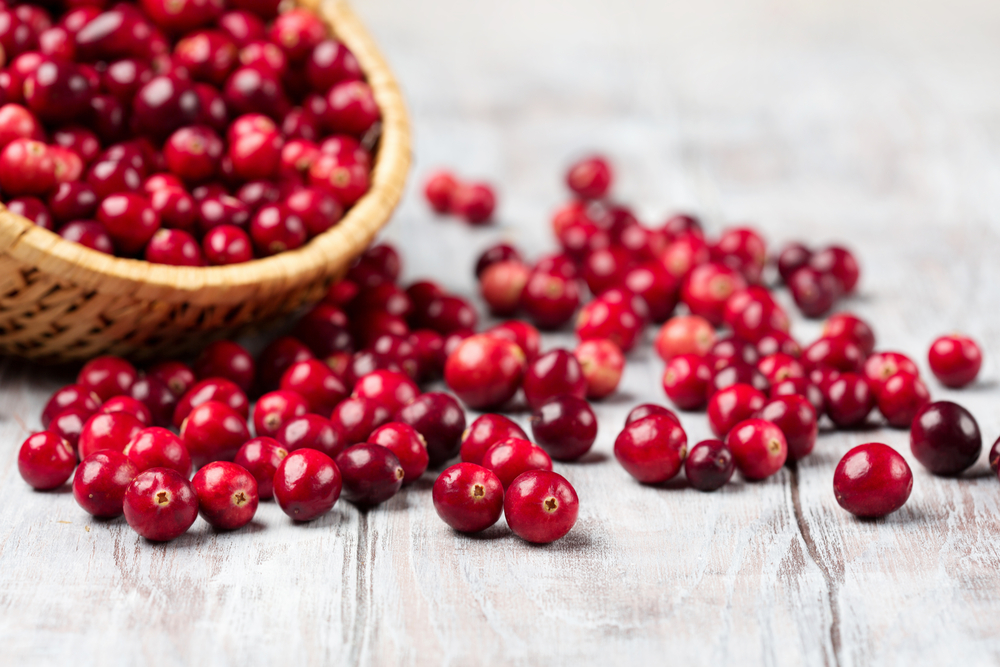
(61, 301)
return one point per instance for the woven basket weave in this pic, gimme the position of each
(61, 301)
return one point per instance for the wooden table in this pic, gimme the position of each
(875, 123)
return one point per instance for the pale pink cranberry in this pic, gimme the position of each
(684, 334)
(602, 363)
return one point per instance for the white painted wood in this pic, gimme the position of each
(875, 123)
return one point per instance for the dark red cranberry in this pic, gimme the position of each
(390, 389)
(685, 334)
(352, 110)
(226, 359)
(742, 249)
(550, 300)
(176, 375)
(901, 398)
(160, 504)
(439, 419)
(814, 292)
(654, 285)
(227, 244)
(447, 314)
(709, 465)
(208, 55)
(850, 326)
(261, 458)
(68, 425)
(792, 258)
(652, 449)
(797, 419)
(193, 153)
(686, 381)
(100, 483)
(582, 237)
(129, 220)
(57, 92)
(839, 263)
(759, 448)
(617, 315)
(318, 210)
(174, 247)
(255, 90)
(590, 178)
(342, 177)
(175, 207)
(107, 376)
(278, 357)
(541, 506)
(468, 497)
(157, 396)
(213, 431)
(70, 201)
(606, 268)
(647, 409)
(165, 104)
(123, 78)
(840, 353)
(356, 417)
(212, 389)
(45, 461)
(510, 458)
(329, 63)
(872, 480)
(157, 447)
(779, 341)
(955, 360)
(945, 438)
(307, 484)
(552, 374)
(33, 209)
(485, 371)
(316, 383)
(881, 366)
(602, 363)
(565, 426)
(731, 405)
(371, 474)
(731, 350)
(107, 431)
(227, 495)
(242, 26)
(849, 399)
(406, 444)
(275, 229)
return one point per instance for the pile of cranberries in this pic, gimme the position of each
(184, 132)
(474, 202)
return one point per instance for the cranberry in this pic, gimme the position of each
(275, 229)
(501, 286)
(602, 363)
(177, 375)
(57, 91)
(468, 497)
(652, 449)
(579, 239)
(316, 383)
(994, 456)
(955, 360)
(212, 389)
(797, 419)
(307, 484)
(175, 207)
(901, 398)
(329, 63)
(709, 465)
(686, 380)
(312, 432)
(617, 315)
(779, 341)
(872, 480)
(565, 426)
(550, 300)
(343, 177)
(100, 483)
(174, 247)
(727, 407)
(881, 366)
(107, 376)
(278, 357)
(45, 461)
(226, 359)
(242, 26)
(814, 292)
(526, 336)
(70, 201)
(227, 495)
(371, 473)
(590, 178)
(439, 189)
(123, 78)
(352, 110)
(164, 104)
(742, 249)
(779, 367)
(208, 55)
(541, 506)
(428, 347)
(736, 373)
(257, 154)
(68, 424)
(501, 252)
(108, 431)
(33, 209)
(213, 431)
(759, 448)
(606, 267)
(16, 122)
(324, 330)
(485, 371)
(157, 397)
(849, 399)
(193, 153)
(823, 377)
(129, 220)
(406, 444)
(261, 458)
(160, 504)
(839, 353)
(839, 263)
(552, 374)
(274, 409)
(654, 285)
(792, 258)
(356, 417)
(298, 32)
(439, 419)
(26, 168)
(684, 334)
(449, 313)
(945, 438)
(850, 326)
(706, 289)
(647, 409)
(157, 447)
(70, 396)
(390, 389)
(510, 458)
(754, 318)
(484, 432)
(318, 210)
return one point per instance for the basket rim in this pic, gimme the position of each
(46, 250)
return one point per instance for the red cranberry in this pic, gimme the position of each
(70, 201)
(706, 289)
(439, 189)
(901, 398)
(242, 26)
(945, 438)
(45, 461)
(27, 168)
(800, 387)
(318, 210)
(312, 432)
(100, 483)
(510, 458)
(447, 314)
(316, 383)
(526, 336)
(541, 506)
(872, 480)
(343, 177)
(213, 431)
(684, 334)
(160, 504)
(823, 377)
(686, 380)
(390, 389)
(16, 122)
(175, 207)
(174, 247)
(485, 371)
(227, 495)
(779, 341)
(617, 315)
(439, 419)
(33, 209)
(736, 373)
(193, 153)
(654, 285)
(580, 238)
(68, 425)
(129, 220)
(274, 229)
(176, 375)
(352, 110)
(709, 465)
(792, 258)
(406, 444)
(226, 359)
(274, 409)
(955, 360)
(759, 318)
(839, 353)
(256, 154)
(70, 396)
(849, 400)
(164, 104)
(742, 249)
(554, 373)
(227, 244)
(647, 409)
(107, 376)
(847, 325)
(298, 32)
(261, 458)
(550, 300)
(57, 91)
(779, 367)
(107, 431)
(797, 419)
(565, 427)
(590, 178)
(501, 252)
(484, 432)
(814, 292)
(371, 474)
(157, 447)
(759, 448)
(839, 263)
(356, 417)
(157, 397)
(468, 497)
(502, 285)
(212, 389)
(605, 268)
(277, 358)
(881, 366)
(429, 348)
(307, 484)
(732, 405)
(602, 363)
(652, 449)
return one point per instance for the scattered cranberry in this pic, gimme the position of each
(213, 431)
(554, 373)
(686, 380)
(371, 474)
(849, 399)
(617, 315)
(406, 444)
(526, 336)
(550, 300)
(541, 506)
(731, 405)
(261, 458)
(839, 263)
(501, 286)
(706, 289)
(839, 353)
(709, 465)
(155, 395)
(684, 334)
(797, 419)
(759, 448)
(389, 389)
(565, 426)
(955, 360)
(474, 202)
(945, 438)
(510, 458)
(814, 292)
(100, 483)
(70, 396)
(468, 497)
(901, 398)
(881, 366)
(227, 495)
(792, 258)
(872, 480)
(439, 420)
(160, 504)
(484, 432)
(779, 367)
(647, 409)
(485, 371)
(312, 432)
(107, 431)
(737, 373)
(156, 447)
(216, 389)
(107, 376)
(652, 449)
(590, 178)
(850, 326)
(45, 461)
(307, 484)
(316, 383)
(439, 189)
(226, 359)
(602, 363)
(274, 409)
(68, 425)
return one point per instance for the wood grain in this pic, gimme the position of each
(873, 123)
